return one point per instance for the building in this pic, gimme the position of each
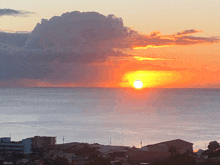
(26, 145)
(180, 146)
(159, 152)
(43, 141)
(37, 142)
(7, 146)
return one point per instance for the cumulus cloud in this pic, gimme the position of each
(76, 38)
(13, 12)
(80, 32)
(67, 48)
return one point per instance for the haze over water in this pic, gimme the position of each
(127, 116)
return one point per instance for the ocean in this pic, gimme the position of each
(126, 116)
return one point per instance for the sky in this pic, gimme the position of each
(164, 44)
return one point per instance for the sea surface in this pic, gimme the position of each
(126, 116)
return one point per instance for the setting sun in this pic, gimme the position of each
(138, 84)
(152, 79)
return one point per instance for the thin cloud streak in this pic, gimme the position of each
(186, 32)
(12, 12)
(157, 40)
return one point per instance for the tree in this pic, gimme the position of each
(213, 145)
(61, 161)
(87, 151)
(94, 159)
(178, 159)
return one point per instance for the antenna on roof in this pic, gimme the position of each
(63, 146)
(141, 144)
(110, 141)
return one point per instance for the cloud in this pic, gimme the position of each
(155, 34)
(73, 48)
(186, 32)
(69, 42)
(79, 37)
(13, 12)
(15, 39)
(156, 39)
(18, 63)
(81, 32)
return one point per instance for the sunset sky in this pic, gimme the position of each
(164, 44)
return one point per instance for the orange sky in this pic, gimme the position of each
(188, 66)
(185, 66)
(173, 67)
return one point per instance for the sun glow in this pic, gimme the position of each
(146, 79)
(138, 84)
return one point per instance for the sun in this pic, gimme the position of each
(138, 84)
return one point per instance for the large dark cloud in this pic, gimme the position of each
(13, 12)
(17, 62)
(66, 48)
(79, 33)
(76, 38)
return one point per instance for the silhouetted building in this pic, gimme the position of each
(7, 146)
(37, 142)
(181, 146)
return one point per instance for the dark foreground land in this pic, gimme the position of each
(96, 154)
